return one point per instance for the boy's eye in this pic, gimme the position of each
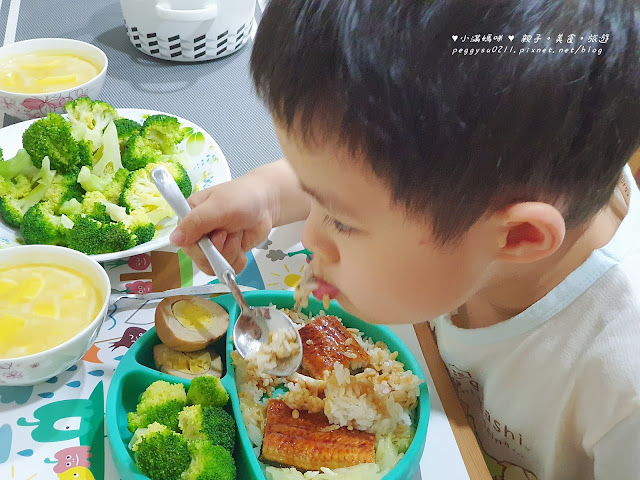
(338, 225)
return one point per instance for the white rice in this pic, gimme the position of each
(281, 344)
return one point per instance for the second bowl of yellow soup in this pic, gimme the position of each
(40, 75)
(53, 301)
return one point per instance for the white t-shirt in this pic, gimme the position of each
(554, 392)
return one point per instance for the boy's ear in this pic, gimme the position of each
(529, 231)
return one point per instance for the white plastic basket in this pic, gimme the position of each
(188, 30)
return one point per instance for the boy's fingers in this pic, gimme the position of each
(197, 223)
(218, 239)
(227, 244)
(231, 249)
(197, 198)
(195, 253)
(240, 262)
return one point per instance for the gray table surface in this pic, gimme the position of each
(217, 95)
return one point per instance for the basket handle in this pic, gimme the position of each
(199, 14)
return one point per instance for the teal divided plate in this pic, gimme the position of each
(135, 373)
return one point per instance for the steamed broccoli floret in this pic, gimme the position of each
(84, 155)
(161, 402)
(137, 221)
(94, 237)
(96, 206)
(139, 224)
(6, 187)
(17, 187)
(22, 185)
(41, 225)
(163, 131)
(198, 422)
(209, 462)
(64, 188)
(93, 206)
(140, 192)
(158, 136)
(126, 128)
(89, 118)
(51, 137)
(138, 153)
(13, 208)
(208, 391)
(21, 164)
(178, 173)
(160, 453)
(110, 185)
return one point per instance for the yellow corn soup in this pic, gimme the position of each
(42, 306)
(45, 71)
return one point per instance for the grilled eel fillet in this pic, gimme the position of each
(309, 443)
(325, 340)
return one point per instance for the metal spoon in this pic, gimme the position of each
(255, 324)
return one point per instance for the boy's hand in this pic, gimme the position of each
(234, 215)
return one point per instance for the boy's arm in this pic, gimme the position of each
(617, 454)
(288, 203)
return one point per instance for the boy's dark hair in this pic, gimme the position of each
(456, 136)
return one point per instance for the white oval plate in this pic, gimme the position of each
(205, 164)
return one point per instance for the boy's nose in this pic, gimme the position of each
(316, 238)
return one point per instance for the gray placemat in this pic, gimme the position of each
(4, 15)
(216, 95)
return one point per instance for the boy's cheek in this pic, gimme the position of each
(385, 300)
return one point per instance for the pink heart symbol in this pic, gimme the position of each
(455, 37)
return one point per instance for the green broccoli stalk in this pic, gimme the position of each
(109, 160)
(51, 137)
(198, 422)
(21, 164)
(177, 171)
(208, 391)
(209, 462)
(88, 119)
(140, 192)
(40, 225)
(159, 452)
(161, 402)
(126, 128)
(94, 237)
(110, 185)
(70, 208)
(13, 208)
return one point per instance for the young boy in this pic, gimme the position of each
(491, 184)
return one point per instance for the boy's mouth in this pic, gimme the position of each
(325, 288)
